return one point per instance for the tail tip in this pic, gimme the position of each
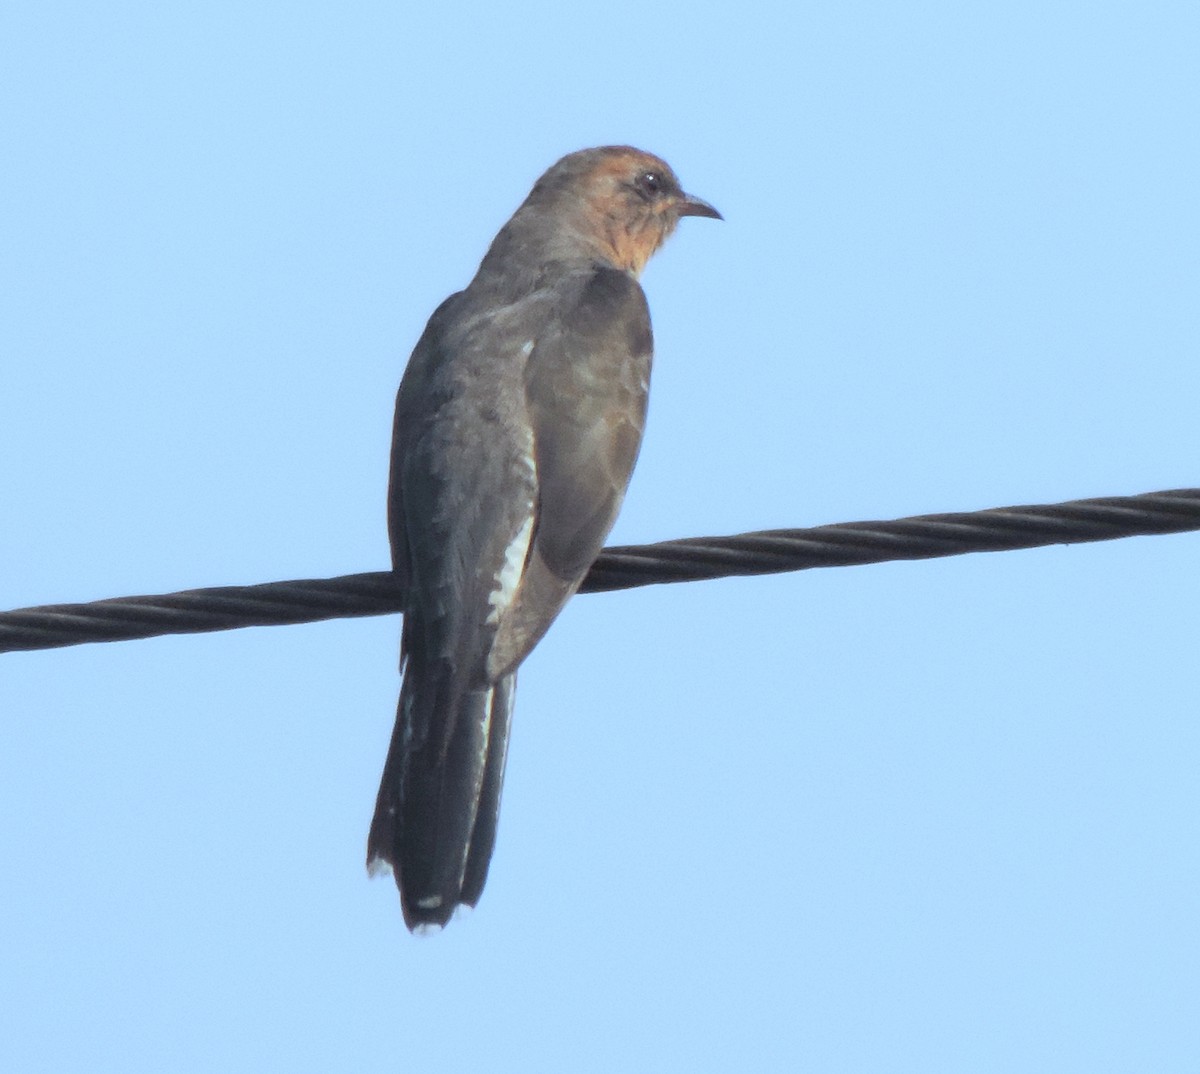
(378, 866)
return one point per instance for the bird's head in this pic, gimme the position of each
(619, 200)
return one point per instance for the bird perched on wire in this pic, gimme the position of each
(518, 422)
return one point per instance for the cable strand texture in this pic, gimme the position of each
(694, 559)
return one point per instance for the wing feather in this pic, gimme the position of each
(586, 389)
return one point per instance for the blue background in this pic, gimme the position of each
(915, 817)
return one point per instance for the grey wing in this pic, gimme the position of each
(461, 494)
(586, 386)
(419, 395)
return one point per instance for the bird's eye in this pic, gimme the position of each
(650, 183)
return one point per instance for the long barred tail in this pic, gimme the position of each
(439, 801)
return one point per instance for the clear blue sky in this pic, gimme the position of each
(920, 817)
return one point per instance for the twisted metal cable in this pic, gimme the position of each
(766, 552)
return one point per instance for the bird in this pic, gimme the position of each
(517, 424)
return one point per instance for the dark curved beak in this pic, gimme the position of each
(693, 206)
